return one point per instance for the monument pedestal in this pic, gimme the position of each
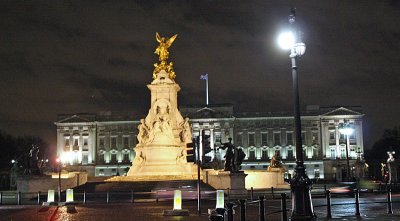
(273, 177)
(224, 180)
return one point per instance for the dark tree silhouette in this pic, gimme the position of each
(390, 141)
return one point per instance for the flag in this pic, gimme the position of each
(204, 77)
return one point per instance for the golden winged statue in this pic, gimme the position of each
(162, 52)
(165, 43)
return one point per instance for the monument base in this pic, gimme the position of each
(219, 179)
(273, 177)
(163, 172)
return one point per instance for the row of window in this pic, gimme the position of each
(342, 153)
(113, 144)
(332, 135)
(276, 139)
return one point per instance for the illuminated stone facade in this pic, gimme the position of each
(103, 143)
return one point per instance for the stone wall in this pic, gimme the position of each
(44, 183)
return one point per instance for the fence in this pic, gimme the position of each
(263, 196)
(262, 214)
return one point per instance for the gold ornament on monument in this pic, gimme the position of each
(162, 52)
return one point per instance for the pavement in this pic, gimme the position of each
(154, 211)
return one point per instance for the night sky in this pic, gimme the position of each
(59, 57)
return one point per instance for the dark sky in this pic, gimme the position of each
(90, 56)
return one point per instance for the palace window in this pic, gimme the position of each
(66, 146)
(333, 153)
(264, 154)
(331, 135)
(217, 137)
(252, 139)
(102, 158)
(126, 157)
(85, 143)
(277, 139)
(113, 158)
(126, 142)
(290, 154)
(252, 155)
(101, 142)
(342, 152)
(76, 144)
(264, 139)
(85, 158)
(314, 137)
(238, 140)
(289, 138)
(113, 142)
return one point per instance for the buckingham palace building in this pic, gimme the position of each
(103, 143)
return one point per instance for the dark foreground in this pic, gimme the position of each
(372, 208)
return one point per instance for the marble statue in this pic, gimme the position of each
(163, 133)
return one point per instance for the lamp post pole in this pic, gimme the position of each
(347, 130)
(59, 179)
(349, 176)
(300, 184)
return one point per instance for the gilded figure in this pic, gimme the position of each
(165, 43)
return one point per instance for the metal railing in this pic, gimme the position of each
(262, 213)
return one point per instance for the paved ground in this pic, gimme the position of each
(153, 211)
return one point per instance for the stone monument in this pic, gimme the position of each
(273, 177)
(232, 177)
(163, 134)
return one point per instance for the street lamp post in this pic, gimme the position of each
(58, 161)
(347, 130)
(300, 184)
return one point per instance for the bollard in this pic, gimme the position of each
(389, 200)
(325, 189)
(230, 211)
(1, 198)
(261, 208)
(50, 196)
(177, 200)
(38, 198)
(132, 197)
(242, 209)
(84, 196)
(357, 197)
(272, 192)
(251, 194)
(328, 204)
(19, 198)
(108, 197)
(283, 206)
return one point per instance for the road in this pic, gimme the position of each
(373, 207)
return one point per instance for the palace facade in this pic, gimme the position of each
(103, 143)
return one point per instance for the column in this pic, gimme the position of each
(337, 136)
(212, 138)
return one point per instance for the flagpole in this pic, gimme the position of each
(207, 89)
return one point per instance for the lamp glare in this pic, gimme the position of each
(286, 40)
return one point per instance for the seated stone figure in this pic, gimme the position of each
(276, 161)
